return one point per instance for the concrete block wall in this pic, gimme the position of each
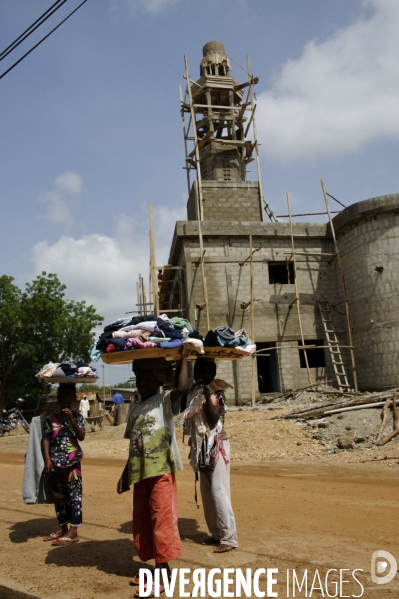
(229, 283)
(226, 201)
(368, 238)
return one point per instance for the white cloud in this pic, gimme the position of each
(104, 270)
(340, 95)
(58, 210)
(69, 182)
(152, 6)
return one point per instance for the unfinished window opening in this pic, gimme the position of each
(316, 358)
(281, 273)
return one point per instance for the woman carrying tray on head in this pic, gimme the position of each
(210, 453)
(62, 455)
(153, 462)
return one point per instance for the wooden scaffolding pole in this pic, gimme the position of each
(153, 268)
(197, 156)
(263, 205)
(298, 301)
(200, 196)
(187, 167)
(253, 358)
(341, 272)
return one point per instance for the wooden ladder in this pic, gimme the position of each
(333, 345)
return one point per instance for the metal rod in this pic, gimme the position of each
(249, 257)
(335, 199)
(307, 214)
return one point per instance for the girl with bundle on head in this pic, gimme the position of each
(62, 455)
(153, 462)
(210, 453)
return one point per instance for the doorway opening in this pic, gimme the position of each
(267, 369)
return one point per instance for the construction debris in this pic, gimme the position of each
(366, 399)
(333, 417)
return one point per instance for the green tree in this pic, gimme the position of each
(126, 385)
(38, 326)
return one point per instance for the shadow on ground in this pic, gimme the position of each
(191, 531)
(21, 532)
(111, 557)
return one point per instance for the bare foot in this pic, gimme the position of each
(63, 530)
(72, 533)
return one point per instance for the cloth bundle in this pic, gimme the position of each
(226, 337)
(144, 332)
(66, 370)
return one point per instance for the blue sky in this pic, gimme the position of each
(91, 128)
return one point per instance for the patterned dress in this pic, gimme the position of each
(65, 455)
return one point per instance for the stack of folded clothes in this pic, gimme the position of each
(66, 370)
(225, 337)
(147, 332)
(144, 332)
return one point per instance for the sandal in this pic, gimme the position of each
(64, 541)
(210, 541)
(135, 581)
(52, 536)
(223, 548)
(152, 594)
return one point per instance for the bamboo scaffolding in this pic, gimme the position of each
(185, 139)
(253, 358)
(200, 198)
(260, 351)
(264, 207)
(298, 301)
(341, 273)
(153, 271)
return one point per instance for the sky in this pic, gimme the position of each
(91, 127)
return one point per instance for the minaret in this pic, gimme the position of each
(220, 120)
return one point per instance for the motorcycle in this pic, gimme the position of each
(12, 418)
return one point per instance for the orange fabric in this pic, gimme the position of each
(155, 531)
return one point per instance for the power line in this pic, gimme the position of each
(49, 12)
(42, 40)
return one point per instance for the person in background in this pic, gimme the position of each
(84, 407)
(100, 403)
(210, 453)
(62, 455)
(153, 462)
(117, 400)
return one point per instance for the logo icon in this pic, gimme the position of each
(380, 560)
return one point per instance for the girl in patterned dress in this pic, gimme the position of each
(62, 455)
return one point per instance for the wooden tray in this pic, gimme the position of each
(127, 356)
(53, 380)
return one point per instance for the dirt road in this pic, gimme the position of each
(290, 515)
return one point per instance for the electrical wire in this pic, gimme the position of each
(49, 12)
(42, 40)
